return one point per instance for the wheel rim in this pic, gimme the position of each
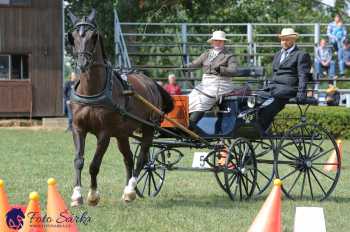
(152, 176)
(240, 170)
(264, 154)
(302, 162)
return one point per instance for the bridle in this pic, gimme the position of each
(80, 27)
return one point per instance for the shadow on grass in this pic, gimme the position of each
(213, 201)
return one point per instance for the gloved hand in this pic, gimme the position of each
(217, 69)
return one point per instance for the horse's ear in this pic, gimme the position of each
(70, 39)
(72, 17)
(92, 15)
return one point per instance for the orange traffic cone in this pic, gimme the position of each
(269, 217)
(4, 208)
(62, 220)
(332, 162)
(33, 219)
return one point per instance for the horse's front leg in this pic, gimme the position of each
(147, 137)
(129, 193)
(102, 145)
(79, 142)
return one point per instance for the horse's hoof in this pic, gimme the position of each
(77, 202)
(93, 198)
(129, 197)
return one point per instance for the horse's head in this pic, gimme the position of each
(84, 39)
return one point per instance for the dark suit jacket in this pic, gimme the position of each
(291, 75)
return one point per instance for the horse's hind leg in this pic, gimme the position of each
(79, 142)
(124, 148)
(147, 137)
(102, 145)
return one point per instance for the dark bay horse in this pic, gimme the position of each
(98, 104)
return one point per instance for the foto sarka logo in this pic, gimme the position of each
(15, 218)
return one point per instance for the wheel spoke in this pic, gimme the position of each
(160, 177)
(325, 164)
(249, 180)
(311, 143)
(143, 175)
(154, 182)
(240, 187)
(263, 174)
(295, 181)
(289, 174)
(318, 182)
(317, 170)
(302, 186)
(318, 147)
(321, 154)
(230, 184)
(149, 184)
(245, 186)
(310, 185)
(295, 144)
(144, 185)
(288, 157)
(302, 138)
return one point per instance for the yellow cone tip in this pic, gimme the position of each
(34, 196)
(338, 141)
(277, 182)
(1, 183)
(51, 181)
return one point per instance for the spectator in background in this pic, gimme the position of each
(67, 91)
(336, 32)
(172, 88)
(333, 95)
(323, 59)
(346, 57)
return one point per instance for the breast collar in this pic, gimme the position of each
(104, 98)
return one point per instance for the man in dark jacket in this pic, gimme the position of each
(291, 71)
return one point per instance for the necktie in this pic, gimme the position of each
(283, 56)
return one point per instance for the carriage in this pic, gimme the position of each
(243, 157)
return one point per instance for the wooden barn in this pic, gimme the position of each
(31, 58)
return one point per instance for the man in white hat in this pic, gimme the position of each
(218, 66)
(291, 70)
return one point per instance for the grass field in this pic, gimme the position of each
(188, 201)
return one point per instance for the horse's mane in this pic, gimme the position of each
(100, 39)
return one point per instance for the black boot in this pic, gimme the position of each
(194, 118)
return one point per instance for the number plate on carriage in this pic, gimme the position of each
(199, 160)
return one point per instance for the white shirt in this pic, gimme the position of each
(213, 53)
(285, 53)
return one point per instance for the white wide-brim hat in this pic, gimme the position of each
(288, 32)
(218, 35)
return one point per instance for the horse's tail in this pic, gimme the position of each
(167, 101)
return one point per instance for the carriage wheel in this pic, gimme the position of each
(302, 162)
(264, 154)
(218, 159)
(240, 170)
(152, 176)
